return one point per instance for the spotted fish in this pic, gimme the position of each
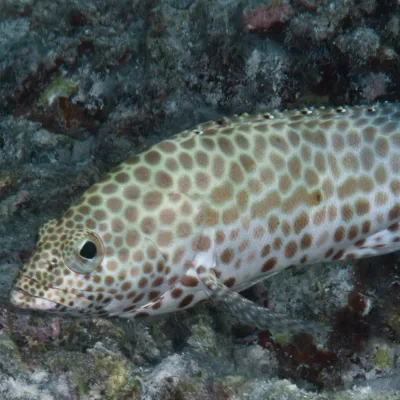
(215, 209)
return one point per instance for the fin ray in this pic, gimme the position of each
(249, 313)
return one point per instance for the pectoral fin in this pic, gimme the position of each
(249, 313)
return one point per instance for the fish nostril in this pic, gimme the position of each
(51, 264)
(25, 255)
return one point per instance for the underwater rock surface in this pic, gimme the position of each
(82, 85)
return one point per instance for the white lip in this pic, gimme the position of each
(21, 299)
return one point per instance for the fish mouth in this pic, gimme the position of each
(22, 299)
(48, 300)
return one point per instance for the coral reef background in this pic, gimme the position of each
(84, 84)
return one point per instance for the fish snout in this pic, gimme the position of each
(22, 299)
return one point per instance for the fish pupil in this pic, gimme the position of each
(88, 250)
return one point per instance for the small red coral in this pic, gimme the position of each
(264, 18)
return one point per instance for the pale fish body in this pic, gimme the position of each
(213, 210)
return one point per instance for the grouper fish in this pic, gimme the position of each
(211, 211)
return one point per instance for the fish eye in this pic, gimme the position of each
(88, 251)
(85, 254)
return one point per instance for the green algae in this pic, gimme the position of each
(393, 320)
(7, 345)
(116, 371)
(57, 88)
(282, 337)
(36, 320)
(184, 390)
(231, 385)
(382, 357)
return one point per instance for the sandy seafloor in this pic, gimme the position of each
(85, 83)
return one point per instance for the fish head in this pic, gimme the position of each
(55, 276)
(81, 271)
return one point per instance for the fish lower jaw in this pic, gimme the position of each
(22, 299)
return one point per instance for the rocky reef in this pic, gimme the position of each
(84, 84)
